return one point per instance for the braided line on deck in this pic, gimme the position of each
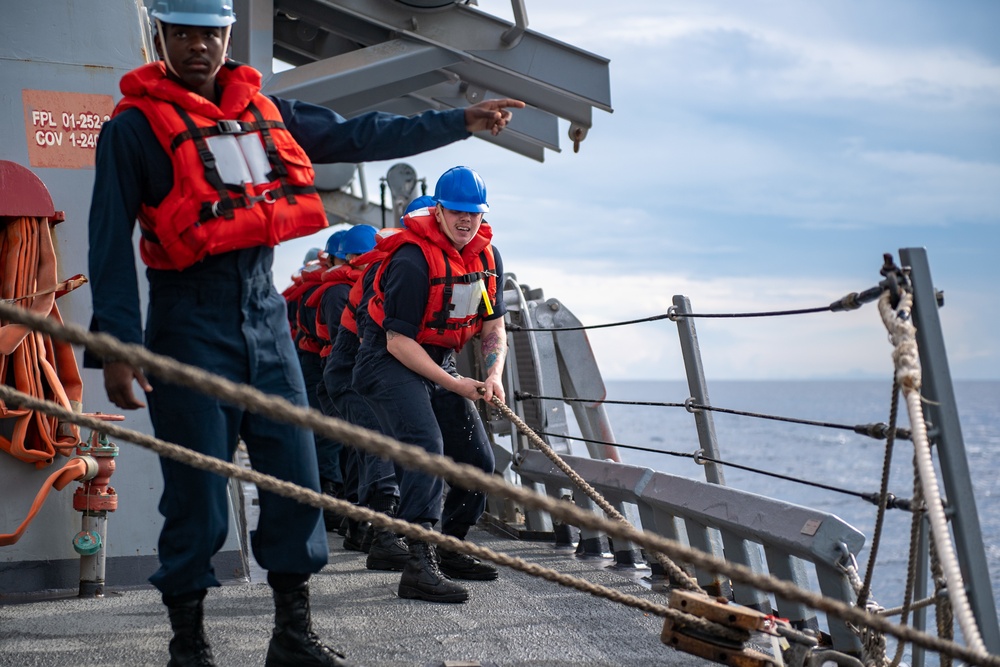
(380, 520)
(676, 573)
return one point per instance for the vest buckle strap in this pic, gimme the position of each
(230, 127)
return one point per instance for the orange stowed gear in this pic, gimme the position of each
(292, 306)
(311, 277)
(449, 271)
(31, 362)
(345, 274)
(349, 318)
(74, 469)
(294, 292)
(202, 215)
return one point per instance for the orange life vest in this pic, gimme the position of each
(202, 215)
(345, 274)
(312, 278)
(349, 318)
(448, 270)
(292, 305)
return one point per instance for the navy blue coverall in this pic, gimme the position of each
(377, 481)
(328, 450)
(224, 315)
(415, 410)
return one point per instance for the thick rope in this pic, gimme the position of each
(919, 604)
(676, 573)
(942, 610)
(903, 335)
(378, 519)
(911, 561)
(872, 642)
(472, 478)
(883, 497)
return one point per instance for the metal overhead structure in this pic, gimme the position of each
(409, 56)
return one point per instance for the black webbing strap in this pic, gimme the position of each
(439, 320)
(207, 160)
(226, 127)
(225, 207)
(148, 234)
(465, 279)
(279, 171)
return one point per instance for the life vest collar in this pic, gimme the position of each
(238, 82)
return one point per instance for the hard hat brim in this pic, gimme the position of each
(200, 20)
(465, 206)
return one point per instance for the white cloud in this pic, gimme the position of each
(800, 346)
(751, 142)
(797, 53)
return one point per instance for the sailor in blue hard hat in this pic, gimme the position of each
(331, 298)
(309, 345)
(437, 287)
(217, 173)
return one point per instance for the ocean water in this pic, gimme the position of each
(834, 457)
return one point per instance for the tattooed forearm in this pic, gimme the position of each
(391, 334)
(494, 350)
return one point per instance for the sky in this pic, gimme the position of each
(760, 156)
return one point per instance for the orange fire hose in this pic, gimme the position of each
(73, 470)
(29, 361)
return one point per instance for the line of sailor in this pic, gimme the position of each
(377, 317)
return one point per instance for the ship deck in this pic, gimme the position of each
(515, 621)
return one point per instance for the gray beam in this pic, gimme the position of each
(307, 40)
(531, 123)
(253, 34)
(543, 61)
(512, 138)
(381, 98)
(341, 206)
(542, 71)
(390, 66)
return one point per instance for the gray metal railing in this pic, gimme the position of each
(793, 538)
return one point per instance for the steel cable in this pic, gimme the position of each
(851, 301)
(877, 430)
(893, 501)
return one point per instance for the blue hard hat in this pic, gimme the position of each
(207, 13)
(333, 243)
(311, 254)
(424, 201)
(461, 189)
(357, 240)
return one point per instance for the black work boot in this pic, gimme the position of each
(423, 580)
(293, 642)
(368, 538)
(188, 647)
(354, 538)
(331, 519)
(386, 504)
(463, 566)
(388, 552)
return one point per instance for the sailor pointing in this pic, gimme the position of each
(217, 174)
